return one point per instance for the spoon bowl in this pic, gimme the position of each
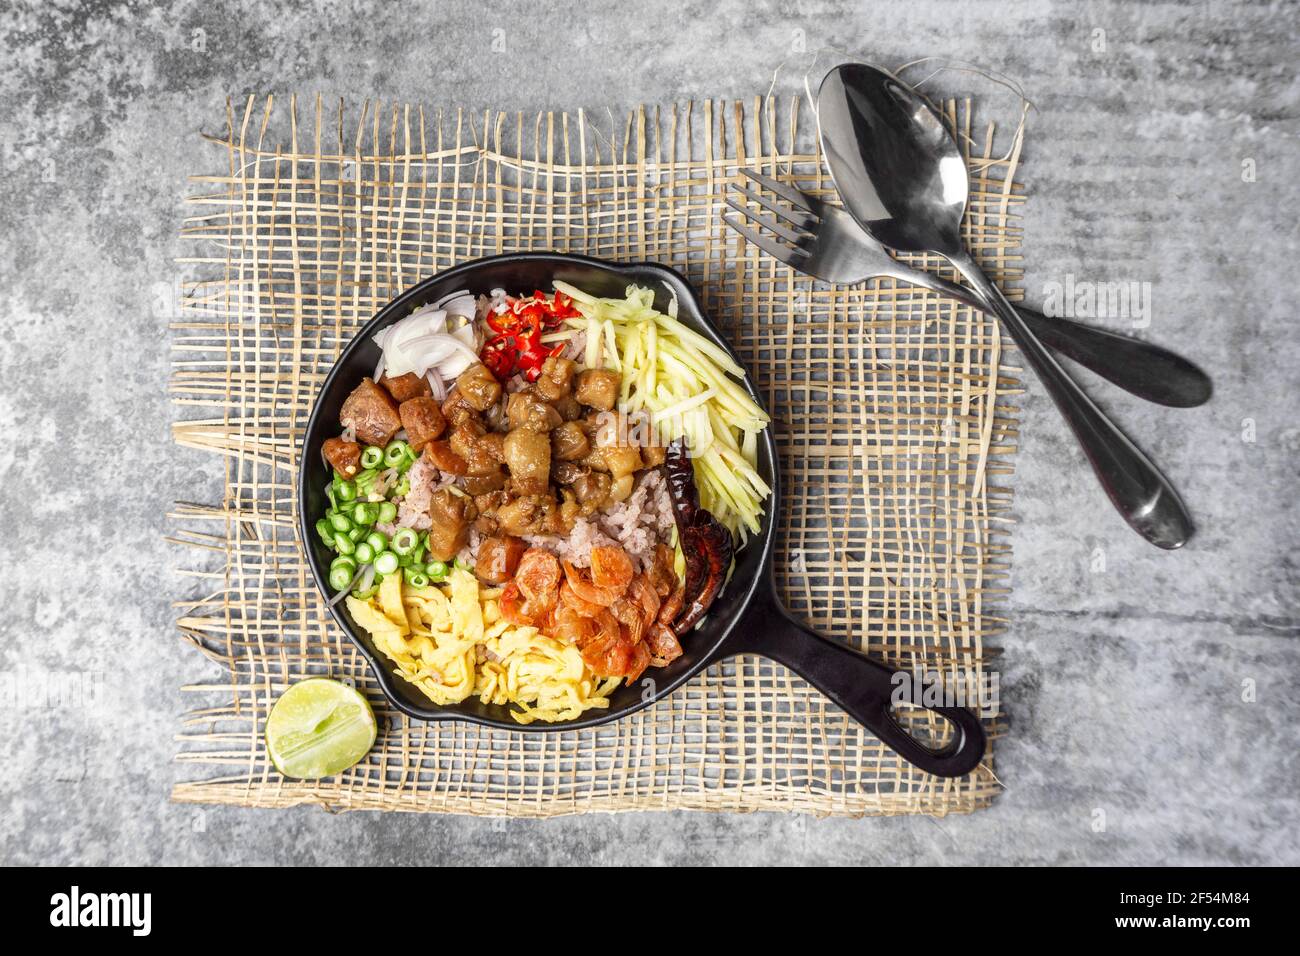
(875, 130)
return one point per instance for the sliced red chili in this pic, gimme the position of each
(498, 356)
(517, 346)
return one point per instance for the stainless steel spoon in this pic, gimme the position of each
(903, 179)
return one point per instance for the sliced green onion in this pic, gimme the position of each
(340, 522)
(416, 579)
(347, 490)
(356, 534)
(364, 552)
(405, 540)
(418, 553)
(372, 456)
(437, 570)
(395, 453)
(325, 532)
(341, 576)
(403, 487)
(343, 544)
(378, 540)
(365, 513)
(387, 512)
(386, 562)
(367, 594)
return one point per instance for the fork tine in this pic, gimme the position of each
(787, 254)
(814, 204)
(767, 222)
(791, 195)
(795, 217)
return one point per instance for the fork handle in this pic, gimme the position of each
(1134, 485)
(1147, 371)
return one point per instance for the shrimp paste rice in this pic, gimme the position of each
(637, 525)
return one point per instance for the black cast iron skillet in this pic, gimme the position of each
(747, 618)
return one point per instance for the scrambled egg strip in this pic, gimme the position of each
(433, 635)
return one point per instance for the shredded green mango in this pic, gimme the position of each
(690, 389)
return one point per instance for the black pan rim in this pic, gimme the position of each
(399, 306)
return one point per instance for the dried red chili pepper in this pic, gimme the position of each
(706, 543)
(711, 542)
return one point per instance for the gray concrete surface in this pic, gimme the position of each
(1124, 669)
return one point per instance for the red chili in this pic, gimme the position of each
(517, 346)
(498, 356)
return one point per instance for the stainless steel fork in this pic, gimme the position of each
(821, 240)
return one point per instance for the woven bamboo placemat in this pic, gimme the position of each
(885, 399)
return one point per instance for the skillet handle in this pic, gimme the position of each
(861, 686)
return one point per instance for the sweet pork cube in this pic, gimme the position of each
(406, 387)
(423, 421)
(343, 456)
(371, 413)
(598, 388)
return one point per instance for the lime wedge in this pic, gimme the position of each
(319, 728)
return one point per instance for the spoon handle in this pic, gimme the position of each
(1136, 487)
(1140, 368)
